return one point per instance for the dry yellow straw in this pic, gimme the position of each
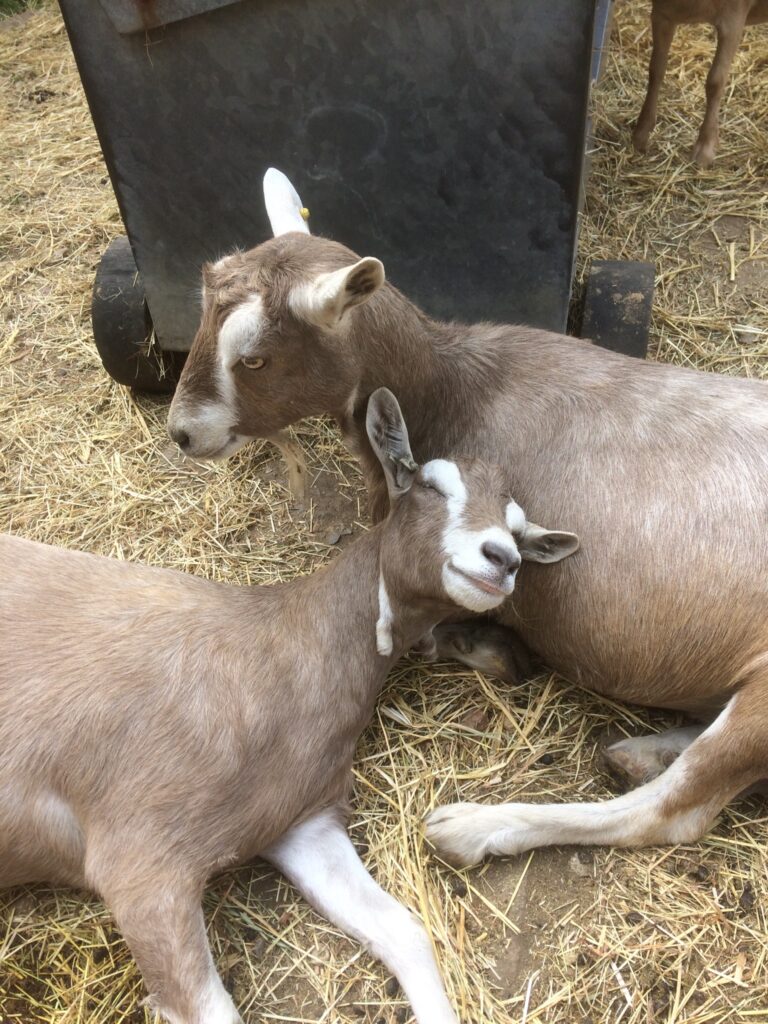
(649, 937)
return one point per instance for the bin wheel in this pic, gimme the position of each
(122, 326)
(617, 306)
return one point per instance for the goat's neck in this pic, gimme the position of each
(429, 366)
(399, 347)
(343, 604)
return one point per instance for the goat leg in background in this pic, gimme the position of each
(729, 34)
(677, 807)
(295, 463)
(663, 31)
(319, 859)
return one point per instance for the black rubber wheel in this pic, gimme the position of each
(122, 326)
(617, 306)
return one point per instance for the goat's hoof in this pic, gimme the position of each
(453, 832)
(486, 646)
(426, 647)
(703, 154)
(640, 140)
(628, 771)
(640, 759)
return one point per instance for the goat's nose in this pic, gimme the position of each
(181, 437)
(503, 558)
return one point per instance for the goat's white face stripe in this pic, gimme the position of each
(211, 422)
(515, 518)
(463, 547)
(445, 476)
(237, 338)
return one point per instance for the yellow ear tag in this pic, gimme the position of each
(304, 212)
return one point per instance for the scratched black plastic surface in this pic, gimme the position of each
(444, 136)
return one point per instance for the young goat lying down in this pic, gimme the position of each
(662, 471)
(156, 727)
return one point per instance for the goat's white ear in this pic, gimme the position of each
(540, 545)
(325, 300)
(283, 203)
(388, 435)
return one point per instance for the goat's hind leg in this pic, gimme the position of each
(678, 806)
(41, 839)
(320, 860)
(160, 915)
(729, 33)
(663, 32)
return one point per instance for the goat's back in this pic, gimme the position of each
(134, 698)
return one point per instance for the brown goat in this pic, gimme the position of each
(156, 728)
(661, 470)
(729, 18)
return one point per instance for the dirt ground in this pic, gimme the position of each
(655, 936)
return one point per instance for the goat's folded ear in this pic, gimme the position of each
(388, 435)
(540, 545)
(283, 203)
(325, 300)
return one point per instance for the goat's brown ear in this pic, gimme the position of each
(325, 300)
(388, 435)
(540, 545)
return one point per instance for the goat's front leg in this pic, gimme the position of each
(318, 857)
(676, 807)
(663, 31)
(160, 915)
(729, 34)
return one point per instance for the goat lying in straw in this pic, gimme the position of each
(729, 18)
(156, 727)
(662, 472)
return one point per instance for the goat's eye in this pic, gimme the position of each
(431, 487)
(252, 362)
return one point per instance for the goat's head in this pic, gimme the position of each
(454, 535)
(273, 323)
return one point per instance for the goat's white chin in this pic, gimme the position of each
(472, 593)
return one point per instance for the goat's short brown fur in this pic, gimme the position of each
(729, 18)
(156, 728)
(662, 471)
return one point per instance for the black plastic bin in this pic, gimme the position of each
(446, 137)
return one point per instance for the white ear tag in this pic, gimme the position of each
(284, 207)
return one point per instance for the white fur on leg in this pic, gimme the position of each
(465, 833)
(217, 1007)
(318, 857)
(214, 1006)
